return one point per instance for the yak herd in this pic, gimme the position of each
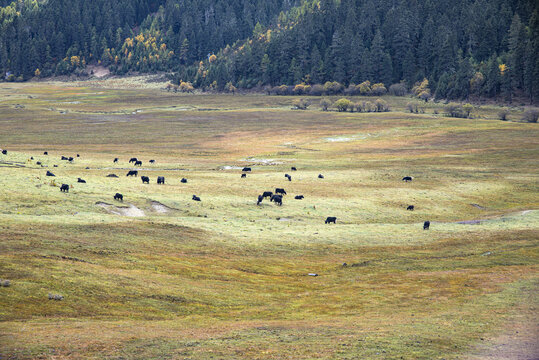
(276, 197)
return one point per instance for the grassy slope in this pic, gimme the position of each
(227, 279)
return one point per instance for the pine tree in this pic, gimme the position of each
(380, 61)
(517, 52)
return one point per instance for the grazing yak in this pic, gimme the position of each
(4, 152)
(63, 158)
(426, 225)
(49, 173)
(45, 153)
(293, 168)
(320, 176)
(280, 191)
(38, 163)
(132, 160)
(331, 219)
(260, 198)
(288, 177)
(407, 178)
(138, 163)
(119, 197)
(246, 169)
(145, 179)
(115, 160)
(410, 207)
(112, 175)
(132, 173)
(183, 180)
(278, 199)
(78, 155)
(161, 180)
(152, 161)
(299, 197)
(70, 158)
(64, 188)
(243, 176)
(196, 198)
(79, 180)
(267, 194)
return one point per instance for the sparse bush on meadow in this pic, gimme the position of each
(412, 108)
(325, 104)
(368, 106)
(342, 104)
(381, 105)
(531, 115)
(456, 111)
(301, 104)
(502, 114)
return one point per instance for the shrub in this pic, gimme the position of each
(381, 105)
(358, 107)
(325, 104)
(299, 89)
(301, 104)
(333, 87)
(186, 87)
(420, 87)
(365, 87)
(317, 90)
(502, 114)
(412, 108)
(531, 115)
(398, 89)
(368, 106)
(230, 88)
(281, 90)
(456, 111)
(342, 104)
(351, 90)
(424, 95)
(378, 89)
(467, 108)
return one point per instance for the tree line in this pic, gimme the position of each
(463, 48)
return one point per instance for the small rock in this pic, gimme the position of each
(55, 297)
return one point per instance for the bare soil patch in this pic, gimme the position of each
(130, 210)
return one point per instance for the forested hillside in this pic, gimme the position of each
(58, 37)
(487, 48)
(482, 47)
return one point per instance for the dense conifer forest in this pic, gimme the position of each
(454, 49)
